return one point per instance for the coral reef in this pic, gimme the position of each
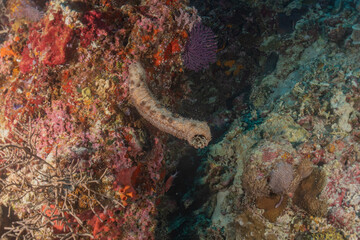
(248, 226)
(329, 234)
(290, 157)
(91, 92)
(76, 159)
(307, 194)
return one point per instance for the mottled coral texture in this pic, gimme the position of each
(281, 177)
(200, 50)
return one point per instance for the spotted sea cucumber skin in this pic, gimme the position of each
(150, 109)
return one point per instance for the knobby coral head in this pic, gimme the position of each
(200, 50)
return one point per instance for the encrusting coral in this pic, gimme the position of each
(307, 194)
(197, 133)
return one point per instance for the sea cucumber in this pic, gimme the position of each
(197, 133)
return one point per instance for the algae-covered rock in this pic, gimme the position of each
(248, 226)
(330, 234)
(284, 126)
(342, 109)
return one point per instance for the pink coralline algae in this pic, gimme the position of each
(55, 129)
(94, 28)
(47, 43)
(342, 191)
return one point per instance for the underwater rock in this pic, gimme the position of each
(328, 234)
(343, 193)
(278, 126)
(310, 130)
(357, 5)
(338, 5)
(342, 109)
(248, 226)
(355, 36)
(218, 215)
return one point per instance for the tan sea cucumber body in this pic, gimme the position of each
(197, 133)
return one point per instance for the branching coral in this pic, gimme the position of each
(53, 197)
(197, 133)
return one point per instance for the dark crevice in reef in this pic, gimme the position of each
(179, 216)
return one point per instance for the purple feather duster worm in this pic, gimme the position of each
(200, 50)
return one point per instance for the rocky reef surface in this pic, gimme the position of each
(290, 168)
(175, 119)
